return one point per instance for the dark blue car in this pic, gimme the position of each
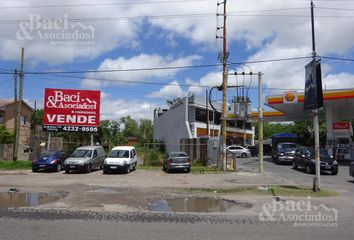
(49, 160)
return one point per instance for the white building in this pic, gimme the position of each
(186, 118)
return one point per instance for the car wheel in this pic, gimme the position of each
(34, 170)
(127, 170)
(58, 169)
(243, 155)
(134, 167)
(188, 170)
(294, 165)
(334, 172)
(105, 171)
(89, 168)
(67, 171)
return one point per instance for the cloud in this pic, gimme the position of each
(55, 50)
(338, 81)
(114, 109)
(142, 61)
(173, 90)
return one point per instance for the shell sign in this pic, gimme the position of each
(290, 97)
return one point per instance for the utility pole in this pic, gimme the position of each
(18, 116)
(260, 123)
(223, 57)
(14, 156)
(315, 112)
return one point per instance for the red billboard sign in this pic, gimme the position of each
(71, 110)
(341, 125)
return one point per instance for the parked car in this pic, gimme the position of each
(85, 159)
(284, 152)
(176, 161)
(267, 149)
(351, 169)
(305, 158)
(239, 151)
(123, 158)
(253, 150)
(49, 160)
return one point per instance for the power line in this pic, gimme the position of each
(338, 58)
(155, 68)
(7, 71)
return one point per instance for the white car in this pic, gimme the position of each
(239, 151)
(122, 158)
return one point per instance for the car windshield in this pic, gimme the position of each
(47, 153)
(323, 153)
(82, 153)
(288, 146)
(178, 154)
(119, 154)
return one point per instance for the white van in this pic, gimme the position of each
(122, 158)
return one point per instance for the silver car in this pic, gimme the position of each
(176, 161)
(85, 159)
(239, 151)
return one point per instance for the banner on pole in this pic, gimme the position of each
(313, 86)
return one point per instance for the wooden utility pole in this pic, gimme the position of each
(260, 123)
(14, 156)
(18, 111)
(315, 112)
(224, 56)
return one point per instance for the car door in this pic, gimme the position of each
(238, 151)
(302, 158)
(135, 157)
(95, 158)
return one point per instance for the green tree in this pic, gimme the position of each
(5, 136)
(145, 131)
(130, 127)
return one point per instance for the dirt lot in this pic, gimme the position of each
(128, 192)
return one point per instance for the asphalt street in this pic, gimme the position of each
(66, 224)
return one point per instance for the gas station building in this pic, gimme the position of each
(338, 111)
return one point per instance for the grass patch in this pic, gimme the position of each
(199, 169)
(285, 191)
(11, 165)
(196, 169)
(147, 167)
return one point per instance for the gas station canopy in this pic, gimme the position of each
(290, 106)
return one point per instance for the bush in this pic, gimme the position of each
(154, 158)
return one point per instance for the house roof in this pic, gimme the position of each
(6, 102)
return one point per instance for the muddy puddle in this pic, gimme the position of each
(27, 199)
(196, 204)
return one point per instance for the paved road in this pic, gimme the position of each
(341, 182)
(69, 224)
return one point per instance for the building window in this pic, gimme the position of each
(24, 120)
(1, 118)
(200, 116)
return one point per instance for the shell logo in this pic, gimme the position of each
(290, 97)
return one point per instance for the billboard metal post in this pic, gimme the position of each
(48, 145)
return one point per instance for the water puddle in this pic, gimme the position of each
(195, 204)
(28, 199)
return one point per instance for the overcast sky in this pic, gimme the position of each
(145, 34)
